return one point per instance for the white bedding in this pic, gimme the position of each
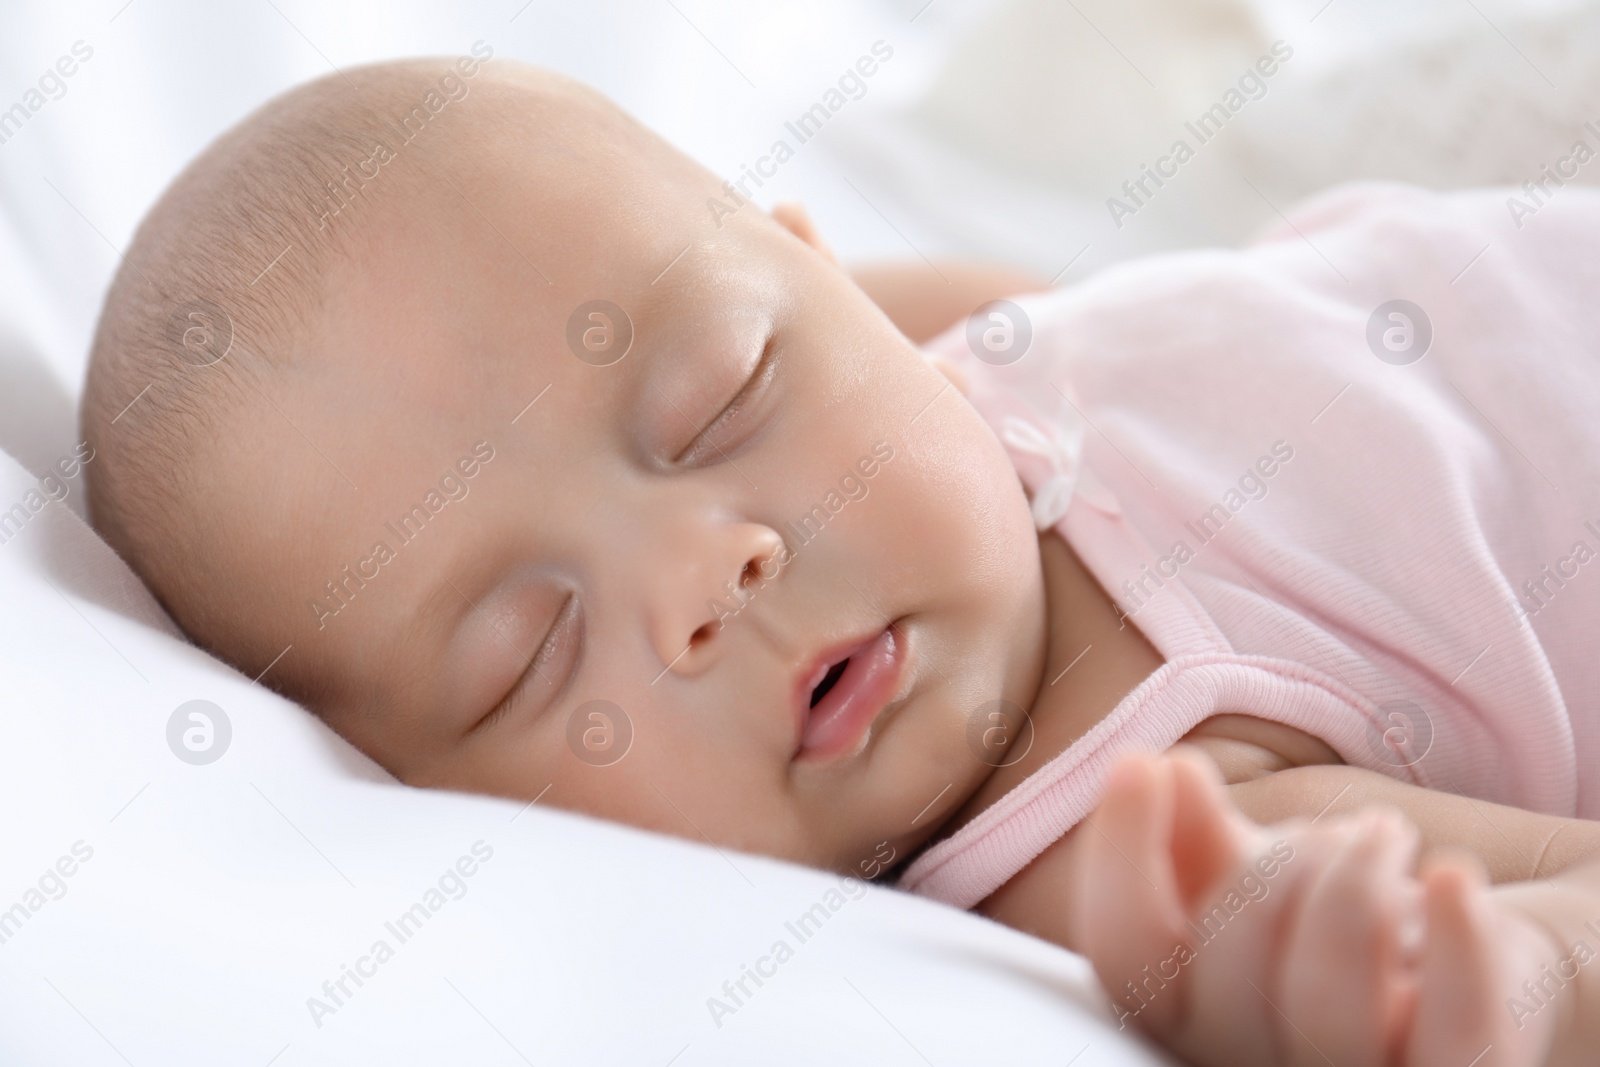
(207, 904)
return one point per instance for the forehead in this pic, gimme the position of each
(519, 220)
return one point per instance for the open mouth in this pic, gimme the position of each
(850, 693)
(828, 680)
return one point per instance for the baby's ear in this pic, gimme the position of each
(792, 216)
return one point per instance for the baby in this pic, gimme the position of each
(536, 460)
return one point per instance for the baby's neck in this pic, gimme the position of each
(1078, 688)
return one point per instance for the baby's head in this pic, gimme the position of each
(443, 376)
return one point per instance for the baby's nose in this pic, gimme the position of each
(717, 572)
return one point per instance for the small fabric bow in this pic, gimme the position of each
(1062, 448)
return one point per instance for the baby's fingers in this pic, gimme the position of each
(1129, 918)
(1470, 965)
(1346, 982)
(1210, 837)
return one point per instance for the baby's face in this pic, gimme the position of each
(629, 577)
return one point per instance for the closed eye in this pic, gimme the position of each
(557, 653)
(705, 444)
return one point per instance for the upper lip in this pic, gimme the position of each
(815, 669)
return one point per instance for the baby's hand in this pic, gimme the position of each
(1302, 943)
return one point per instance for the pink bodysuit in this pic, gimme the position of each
(1377, 522)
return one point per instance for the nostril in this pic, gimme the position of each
(751, 575)
(702, 635)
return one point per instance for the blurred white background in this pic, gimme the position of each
(998, 130)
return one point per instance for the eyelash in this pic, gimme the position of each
(763, 373)
(542, 656)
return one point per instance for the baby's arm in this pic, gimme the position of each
(1514, 845)
(1275, 772)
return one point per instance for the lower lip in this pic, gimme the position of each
(841, 718)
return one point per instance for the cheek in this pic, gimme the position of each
(945, 526)
(954, 499)
(674, 778)
(958, 543)
(628, 746)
